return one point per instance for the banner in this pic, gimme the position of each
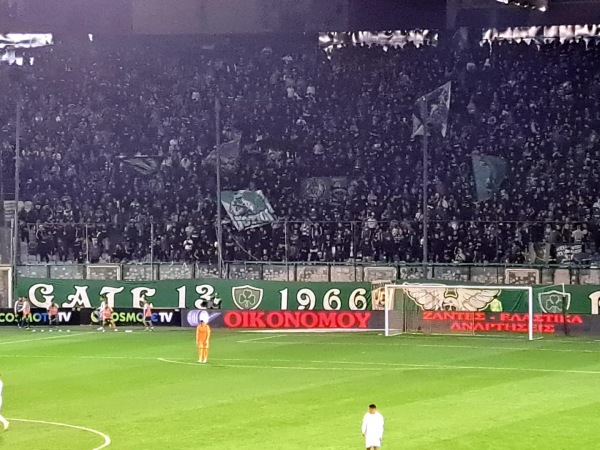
(192, 317)
(431, 321)
(229, 152)
(569, 252)
(507, 322)
(297, 320)
(40, 317)
(131, 317)
(489, 172)
(437, 107)
(247, 209)
(233, 294)
(576, 299)
(89, 316)
(331, 189)
(300, 296)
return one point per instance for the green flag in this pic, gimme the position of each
(247, 209)
(490, 172)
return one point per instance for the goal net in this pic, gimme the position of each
(461, 309)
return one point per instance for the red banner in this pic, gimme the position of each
(298, 319)
(439, 321)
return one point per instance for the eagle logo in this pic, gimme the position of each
(447, 298)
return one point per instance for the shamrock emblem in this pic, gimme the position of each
(247, 297)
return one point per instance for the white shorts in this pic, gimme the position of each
(373, 441)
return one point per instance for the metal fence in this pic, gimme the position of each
(269, 271)
(194, 241)
(6, 242)
(5, 285)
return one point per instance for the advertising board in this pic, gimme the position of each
(290, 320)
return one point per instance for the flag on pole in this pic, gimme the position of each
(437, 105)
(229, 151)
(247, 209)
(141, 163)
(490, 172)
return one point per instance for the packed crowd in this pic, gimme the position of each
(303, 115)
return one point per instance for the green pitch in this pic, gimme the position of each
(296, 391)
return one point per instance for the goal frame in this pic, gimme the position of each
(527, 289)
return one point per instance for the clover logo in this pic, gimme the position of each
(554, 301)
(247, 297)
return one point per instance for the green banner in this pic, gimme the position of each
(581, 299)
(247, 209)
(490, 172)
(228, 294)
(281, 295)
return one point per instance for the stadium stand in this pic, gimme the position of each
(302, 115)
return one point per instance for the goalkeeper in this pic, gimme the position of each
(202, 340)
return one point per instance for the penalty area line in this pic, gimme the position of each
(104, 436)
(67, 335)
(366, 365)
(412, 344)
(260, 338)
(255, 366)
(401, 366)
(380, 366)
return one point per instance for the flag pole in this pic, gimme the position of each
(425, 143)
(15, 249)
(218, 165)
(2, 213)
(286, 255)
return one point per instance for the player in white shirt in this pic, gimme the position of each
(100, 311)
(372, 428)
(19, 307)
(147, 315)
(2, 419)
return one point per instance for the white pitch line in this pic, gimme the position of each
(104, 436)
(369, 365)
(259, 339)
(386, 366)
(512, 369)
(151, 358)
(248, 366)
(481, 347)
(425, 366)
(67, 335)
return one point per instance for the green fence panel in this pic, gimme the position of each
(282, 295)
(263, 295)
